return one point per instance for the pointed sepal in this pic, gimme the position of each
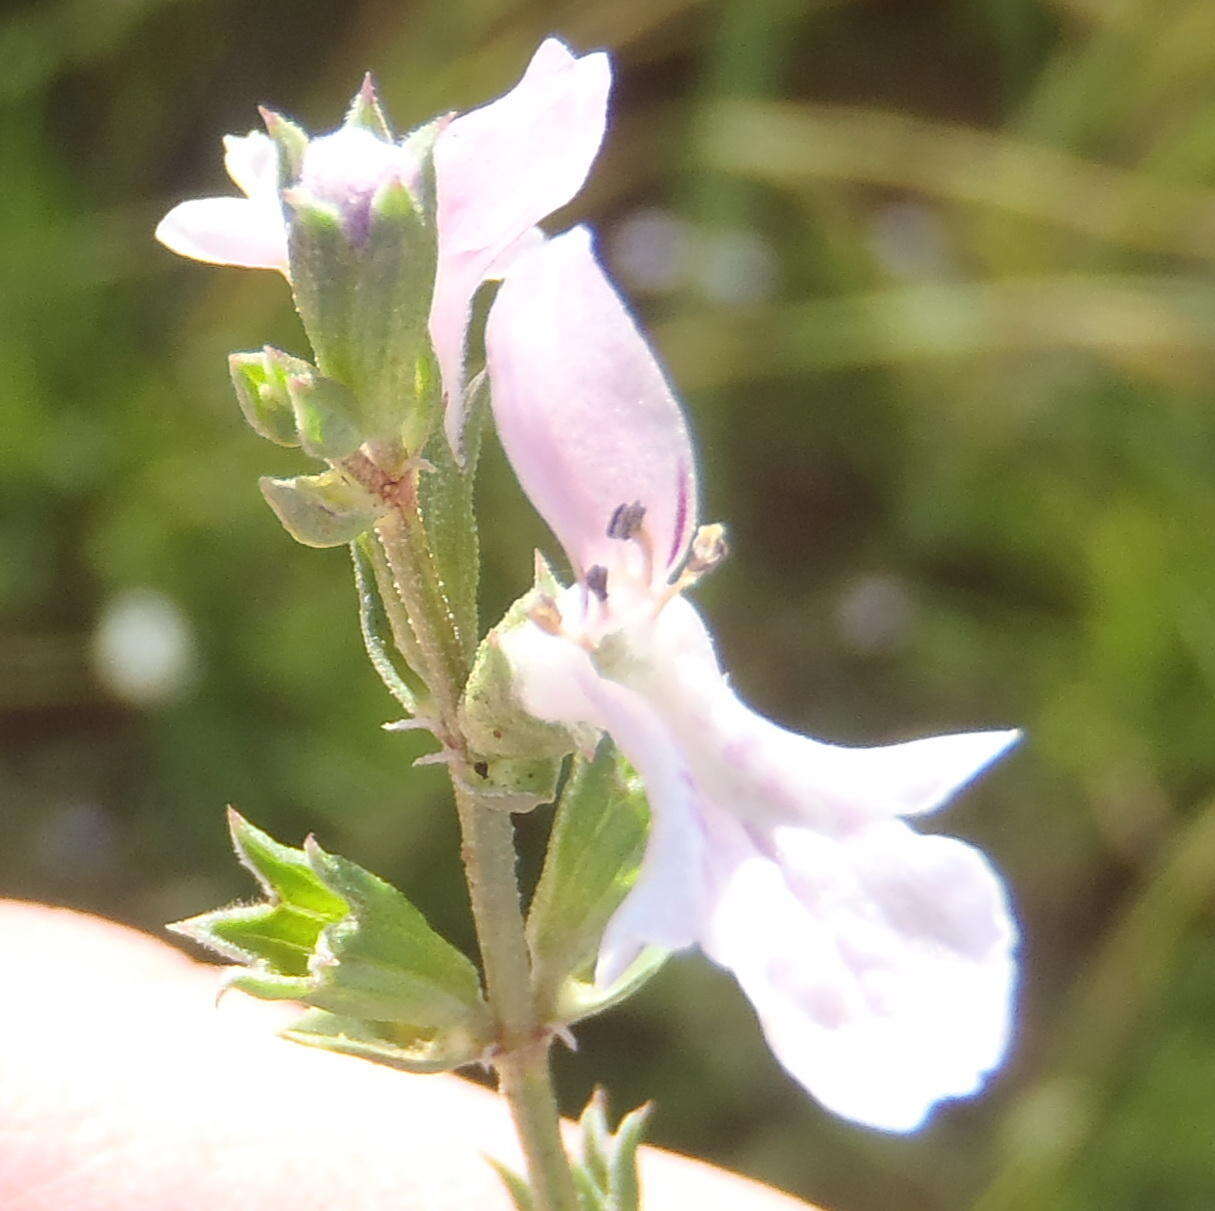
(419, 144)
(324, 510)
(366, 111)
(394, 1045)
(291, 140)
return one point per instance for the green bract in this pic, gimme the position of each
(325, 510)
(594, 853)
(336, 938)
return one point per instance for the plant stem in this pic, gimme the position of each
(416, 581)
(522, 1064)
(488, 849)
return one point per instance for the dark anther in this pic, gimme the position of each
(626, 520)
(596, 581)
(481, 769)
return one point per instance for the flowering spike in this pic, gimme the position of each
(477, 183)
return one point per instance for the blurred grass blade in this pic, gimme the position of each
(1054, 1119)
(1141, 323)
(794, 144)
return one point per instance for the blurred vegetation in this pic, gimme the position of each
(935, 281)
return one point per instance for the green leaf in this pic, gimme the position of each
(624, 1186)
(596, 1138)
(446, 499)
(393, 1045)
(403, 637)
(516, 1186)
(383, 961)
(337, 938)
(591, 1196)
(606, 1178)
(324, 510)
(594, 853)
(366, 112)
(325, 416)
(374, 624)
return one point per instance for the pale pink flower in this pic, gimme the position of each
(499, 170)
(879, 961)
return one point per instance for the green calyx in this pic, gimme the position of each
(492, 718)
(363, 282)
(381, 982)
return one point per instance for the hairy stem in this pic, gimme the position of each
(488, 849)
(522, 1063)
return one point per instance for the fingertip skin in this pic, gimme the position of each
(123, 1088)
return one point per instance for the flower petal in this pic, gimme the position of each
(769, 774)
(252, 163)
(501, 169)
(583, 410)
(344, 169)
(880, 965)
(557, 682)
(227, 231)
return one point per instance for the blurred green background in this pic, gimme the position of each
(935, 282)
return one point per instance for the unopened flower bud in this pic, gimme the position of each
(260, 378)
